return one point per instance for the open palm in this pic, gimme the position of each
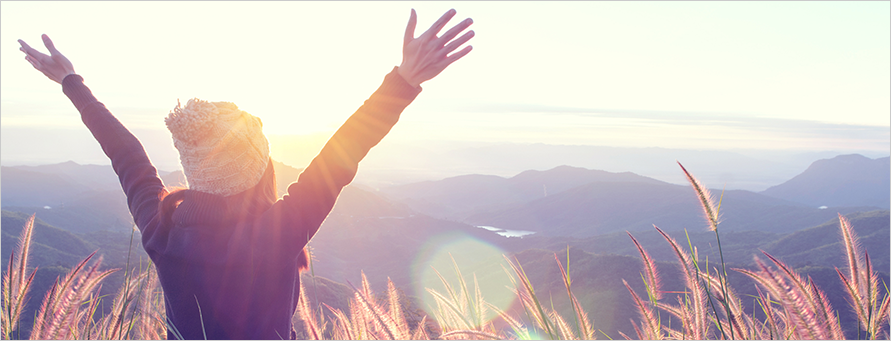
(55, 65)
(427, 55)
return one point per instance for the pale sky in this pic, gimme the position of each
(706, 75)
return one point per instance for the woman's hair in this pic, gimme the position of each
(251, 203)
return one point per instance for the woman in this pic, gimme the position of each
(228, 253)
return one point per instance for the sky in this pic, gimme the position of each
(698, 75)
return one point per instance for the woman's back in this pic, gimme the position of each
(228, 258)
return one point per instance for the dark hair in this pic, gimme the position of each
(253, 201)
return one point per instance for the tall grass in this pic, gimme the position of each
(69, 308)
(794, 307)
(789, 305)
(17, 282)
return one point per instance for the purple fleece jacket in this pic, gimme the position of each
(225, 276)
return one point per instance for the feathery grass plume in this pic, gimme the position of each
(852, 251)
(57, 315)
(562, 327)
(771, 319)
(712, 215)
(774, 284)
(861, 284)
(882, 318)
(448, 314)
(548, 320)
(146, 323)
(458, 310)
(685, 315)
(478, 304)
(310, 323)
(421, 332)
(382, 323)
(362, 324)
(738, 323)
(343, 326)
(694, 310)
(705, 199)
(651, 274)
(132, 315)
(584, 327)
(16, 283)
(519, 330)
(368, 319)
(649, 322)
(809, 311)
(466, 302)
(530, 301)
(852, 282)
(824, 309)
(451, 312)
(395, 306)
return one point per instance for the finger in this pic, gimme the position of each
(410, 29)
(49, 45)
(457, 42)
(457, 55)
(440, 23)
(451, 33)
(32, 61)
(28, 49)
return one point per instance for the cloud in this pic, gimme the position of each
(785, 126)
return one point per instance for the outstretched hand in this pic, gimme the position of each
(55, 65)
(426, 56)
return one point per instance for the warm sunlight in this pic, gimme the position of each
(644, 63)
(462, 261)
(519, 170)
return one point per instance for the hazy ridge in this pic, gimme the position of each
(386, 232)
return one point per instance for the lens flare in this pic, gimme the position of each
(473, 259)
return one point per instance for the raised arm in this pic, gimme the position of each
(312, 197)
(139, 179)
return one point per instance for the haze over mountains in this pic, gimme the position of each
(845, 180)
(578, 202)
(392, 232)
(564, 200)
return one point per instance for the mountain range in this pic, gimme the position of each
(395, 232)
(845, 180)
(571, 201)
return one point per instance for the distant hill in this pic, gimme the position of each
(577, 202)
(91, 176)
(845, 180)
(52, 246)
(84, 198)
(821, 245)
(817, 245)
(384, 238)
(29, 188)
(462, 196)
(604, 207)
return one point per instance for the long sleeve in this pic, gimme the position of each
(309, 200)
(139, 179)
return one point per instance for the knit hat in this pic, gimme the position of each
(222, 149)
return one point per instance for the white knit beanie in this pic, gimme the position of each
(222, 149)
